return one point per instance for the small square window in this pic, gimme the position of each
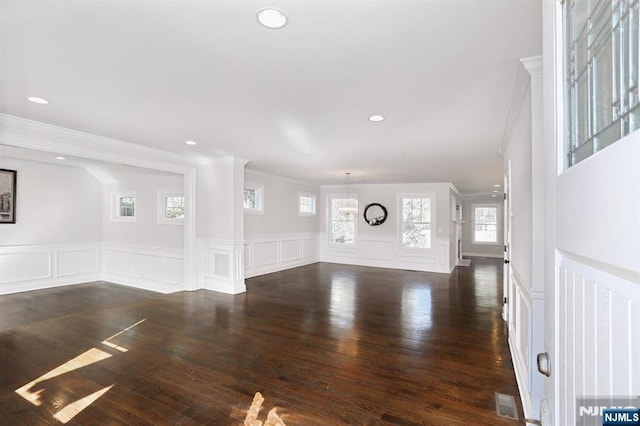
(123, 206)
(253, 199)
(170, 208)
(306, 204)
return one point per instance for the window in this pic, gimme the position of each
(306, 204)
(485, 223)
(170, 208)
(601, 56)
(253, 202)
(416, 221)
(123, 206)
(342, 223)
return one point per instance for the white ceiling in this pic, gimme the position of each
(294, 101)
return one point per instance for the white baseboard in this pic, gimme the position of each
(18, 287)
(157, 286)
(280, 266)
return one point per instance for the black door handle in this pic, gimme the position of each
(506, 261)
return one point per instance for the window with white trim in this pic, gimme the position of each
(342, 220)
(485, 223)
(170, 208)
(253, 199)
(306, 204)
(416, 221)
(123, 206)
(601, 57)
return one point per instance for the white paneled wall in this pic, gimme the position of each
(266, 254)
(151, 268)
(221, 266)
(599, 328)
(32, 267)
(384, 252)
(519, 334)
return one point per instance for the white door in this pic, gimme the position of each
(592, 260)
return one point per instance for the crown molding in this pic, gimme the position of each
(528, 67)
(533, 65)
(29, 134)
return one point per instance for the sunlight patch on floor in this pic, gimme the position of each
(89, 357)
(112, 345)
(33, 393)
(71, 410)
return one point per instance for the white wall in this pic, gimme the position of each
(145, 230)
(469, 248)
(380, 245)
(524, 274)
(280, 238)
(143, 253)
(55, 204)
(280, 204)
(57, 234)
(220, 230)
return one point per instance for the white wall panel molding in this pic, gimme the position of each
(221, 266)
(33, 267)
(493, 256)
(384, 252)
(151, 268)
(519, 334)
(599, 324)
(265, 254)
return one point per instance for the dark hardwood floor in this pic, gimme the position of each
(325, 344)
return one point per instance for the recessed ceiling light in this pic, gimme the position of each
(272, 18)
(494, 195)
(37, 100)
(60, 158)
(191, 143)
(495, 190)
(497, 185)
(376, 118)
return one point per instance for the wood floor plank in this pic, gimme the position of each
(325, 344)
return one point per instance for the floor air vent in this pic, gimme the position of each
(506, 406)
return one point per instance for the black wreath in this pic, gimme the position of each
(378, 220)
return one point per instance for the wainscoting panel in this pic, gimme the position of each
(72, 262)
(520, 335)
(221, 266)
(290, 249)
(599, 328)
(33, 267)
(377, 249)
(385, 252)
(151, 268)
(267, 254)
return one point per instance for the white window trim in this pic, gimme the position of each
(473, 224)
(259, 198)
(343, 246)
(115, 206)
(315, 204)
(162, 219)
(413, 250)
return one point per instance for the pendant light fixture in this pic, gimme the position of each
(348, 205)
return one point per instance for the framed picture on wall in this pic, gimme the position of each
(7, 196)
